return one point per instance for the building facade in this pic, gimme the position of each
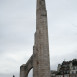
(66, 69)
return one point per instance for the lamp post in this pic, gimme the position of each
(13, 75)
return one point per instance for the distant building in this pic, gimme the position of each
(73, 68)
(53, 73)
(67, 69)
(64, 68)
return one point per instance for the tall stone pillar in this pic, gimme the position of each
(41, 61)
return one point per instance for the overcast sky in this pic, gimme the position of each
(17, 28)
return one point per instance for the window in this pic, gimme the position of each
(73, 68)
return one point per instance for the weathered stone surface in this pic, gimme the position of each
(25, 68)
(41, 64)
(40, 59)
